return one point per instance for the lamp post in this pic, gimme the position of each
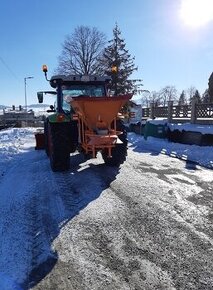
(25, 90)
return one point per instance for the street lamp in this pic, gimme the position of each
(25, 90)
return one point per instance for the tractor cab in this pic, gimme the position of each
(71, 86)
(67, 87)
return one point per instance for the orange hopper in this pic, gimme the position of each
(97, 121)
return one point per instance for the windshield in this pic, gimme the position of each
(78, 90)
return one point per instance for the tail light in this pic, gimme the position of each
(60, 117)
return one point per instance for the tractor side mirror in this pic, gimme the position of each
(40, 97)
(52, 109)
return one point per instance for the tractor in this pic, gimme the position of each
(84, 119)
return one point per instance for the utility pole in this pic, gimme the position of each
(25, 91)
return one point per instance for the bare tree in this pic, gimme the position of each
(145, 98)
(82, 52)
(154, 98)
(168, 93)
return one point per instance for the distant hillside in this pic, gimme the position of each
(38, 106)
(3, 107)
(33, 106)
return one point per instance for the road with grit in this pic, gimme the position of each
(145, 225)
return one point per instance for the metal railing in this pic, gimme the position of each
(194, 113)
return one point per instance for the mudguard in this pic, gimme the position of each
(59, 118)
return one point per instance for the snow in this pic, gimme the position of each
(202, 155)
(159, 121)
(204, 129)
(14, 142)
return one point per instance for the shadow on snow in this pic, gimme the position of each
(82, 184)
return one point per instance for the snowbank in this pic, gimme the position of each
(200, 155)
(204, 129)
(158, 121)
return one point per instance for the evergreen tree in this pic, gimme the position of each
(197, 97)
(182, 99)
(211, 87)
(205, 97)
(191, 92)
(119, 64)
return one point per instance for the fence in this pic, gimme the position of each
(194, 113)
(19, 118)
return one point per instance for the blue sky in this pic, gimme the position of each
(166, 50)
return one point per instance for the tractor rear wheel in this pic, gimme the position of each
(119, 152)
(72, 133)
(58, 146)
(121, 127)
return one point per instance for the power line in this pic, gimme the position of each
(9, 69)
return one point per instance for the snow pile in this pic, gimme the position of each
(158, 121)
(12, 141)
(204, 129)
(41, 111)
(201, 155)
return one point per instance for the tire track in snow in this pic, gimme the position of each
(77, 187)
(15, 238)
(59, 198)
(45, 214)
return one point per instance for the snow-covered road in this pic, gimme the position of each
(147, 225)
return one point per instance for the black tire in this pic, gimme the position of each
(119, 152)
(46, 146)
(72, 132)
(121, 127)
(58, 146)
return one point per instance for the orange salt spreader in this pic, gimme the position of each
(97, 122)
